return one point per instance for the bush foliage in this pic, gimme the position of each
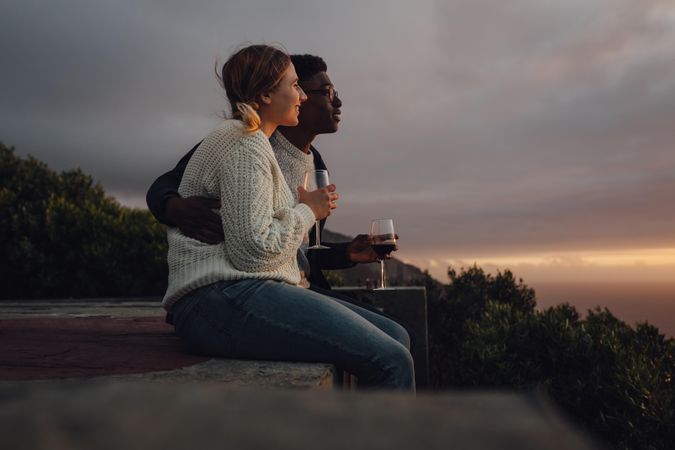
(616, 381)
(61, 236)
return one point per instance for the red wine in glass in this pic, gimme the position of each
(383, 241)
(384, 245)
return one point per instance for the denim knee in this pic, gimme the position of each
(397, 366)
(401, 335)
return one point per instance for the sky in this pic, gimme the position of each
(530, 134)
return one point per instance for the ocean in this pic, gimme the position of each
(629, 301)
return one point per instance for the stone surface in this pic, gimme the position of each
(236, 372)
(61, 347)
(208, 416)
(96, 307)
(45, 340)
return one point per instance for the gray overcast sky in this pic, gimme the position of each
(483, 127)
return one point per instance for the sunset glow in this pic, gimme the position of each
(657, 265)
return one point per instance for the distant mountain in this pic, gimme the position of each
(398, 273)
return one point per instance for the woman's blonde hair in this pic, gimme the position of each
(251, 71)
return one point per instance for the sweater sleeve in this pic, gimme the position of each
(166, 187)
(258, 238)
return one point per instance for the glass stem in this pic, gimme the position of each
(382, 273)
(318, 238)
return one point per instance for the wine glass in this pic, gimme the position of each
(316, 179)
(383, 241)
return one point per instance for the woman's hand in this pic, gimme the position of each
(321, 201)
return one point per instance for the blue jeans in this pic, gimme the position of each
(272, 320)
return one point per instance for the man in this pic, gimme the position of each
(320, 114)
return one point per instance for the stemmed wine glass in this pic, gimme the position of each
(383, 241)
(316, 179)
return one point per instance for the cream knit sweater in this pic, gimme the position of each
(294, 164)
(262, 222)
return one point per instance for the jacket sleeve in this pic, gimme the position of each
(258, 238)
(328, 259)
(166, 187)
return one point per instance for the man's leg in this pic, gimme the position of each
(373, 315)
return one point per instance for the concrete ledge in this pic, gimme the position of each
(236, 373)
(232, 372)
(207, 416)
(79, 340)
(82, 307)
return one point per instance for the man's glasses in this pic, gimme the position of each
(329, 91)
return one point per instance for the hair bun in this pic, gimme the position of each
(249, 116)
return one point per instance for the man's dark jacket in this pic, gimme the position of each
(166, 187)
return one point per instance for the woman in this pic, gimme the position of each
(240, 299)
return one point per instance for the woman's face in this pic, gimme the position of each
(284, 103)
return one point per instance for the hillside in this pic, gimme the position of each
(398, 272)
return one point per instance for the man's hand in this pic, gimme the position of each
(360, 251)
(195, 218)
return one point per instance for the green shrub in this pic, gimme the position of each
(615, 380)
(61, 236)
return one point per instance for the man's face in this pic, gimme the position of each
(319, 115)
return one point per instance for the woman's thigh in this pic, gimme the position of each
(263, 319)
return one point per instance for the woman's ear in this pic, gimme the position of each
(265, 99)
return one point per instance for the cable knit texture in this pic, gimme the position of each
(294, 164)
(262, 221)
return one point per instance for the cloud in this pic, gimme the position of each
(481, 127)
(552, 130)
